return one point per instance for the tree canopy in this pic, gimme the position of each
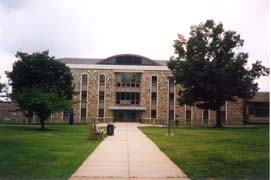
(210, 69)
(41, 84)
(1, 86)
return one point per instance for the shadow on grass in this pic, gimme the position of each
(35, 128)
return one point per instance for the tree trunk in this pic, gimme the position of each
(218, 118)
(42, 122)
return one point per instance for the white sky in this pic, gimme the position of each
(100, 28)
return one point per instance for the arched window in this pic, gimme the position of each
(102, 79)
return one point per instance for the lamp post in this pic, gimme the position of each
(169, 128)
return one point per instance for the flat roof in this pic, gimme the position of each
(136, 108)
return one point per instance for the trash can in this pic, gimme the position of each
(71, 118)
(110, 130)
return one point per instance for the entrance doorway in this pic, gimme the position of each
(126, 116)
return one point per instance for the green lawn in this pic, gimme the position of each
(29, 153)
(227, 153)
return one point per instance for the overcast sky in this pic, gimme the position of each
(99, 28)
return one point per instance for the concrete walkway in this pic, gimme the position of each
(128, 155)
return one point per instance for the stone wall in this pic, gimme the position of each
(234, 109)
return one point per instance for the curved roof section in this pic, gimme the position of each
(128, 59)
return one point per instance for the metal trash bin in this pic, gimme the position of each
(71, 118)
(110, 130)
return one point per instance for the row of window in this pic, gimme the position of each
(127, 98)
(127, 79)
(128, 60)
(188, 115)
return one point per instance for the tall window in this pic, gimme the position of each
(205, 116)
(154, 102)
(153, 114)
(154, 80)
(153, 96)
(102, 79)
(101, 95)
(65, 116)
(188, 114)
(101, 111)
(84, 97)
(84, 79)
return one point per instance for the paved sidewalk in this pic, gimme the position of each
(128, 155)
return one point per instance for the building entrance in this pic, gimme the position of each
(127, 116)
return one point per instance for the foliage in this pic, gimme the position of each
(2, 86)
(210, 69)
(41, 84)
(211, 153)
(29, 153)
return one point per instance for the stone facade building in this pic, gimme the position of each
(132, 88)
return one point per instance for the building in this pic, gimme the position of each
(9, 113)
(258, 108)
(130, 88)
(134, 88)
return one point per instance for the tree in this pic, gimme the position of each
(210, 70)
(2, 86)
(41, 85)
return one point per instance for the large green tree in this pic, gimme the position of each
(210, 68)
(41, 85)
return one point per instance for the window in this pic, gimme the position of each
(154, 80)
(137, 97)
(128, 60)
(118, 98)
(206, 114)
(153, 96)
(188, 114)
(83, 114)
(83, 95)
(101, 95)
(153, 114)
(127, 79)
(102, 79)
(261, 109)
(101, 112)
(171, 96)
(66, 116)
(84, 79)
(127, 97)
(171, 114)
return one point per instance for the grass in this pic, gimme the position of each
(26, 152)
(227, 153)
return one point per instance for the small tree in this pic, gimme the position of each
(41, 85)
(209, 69)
